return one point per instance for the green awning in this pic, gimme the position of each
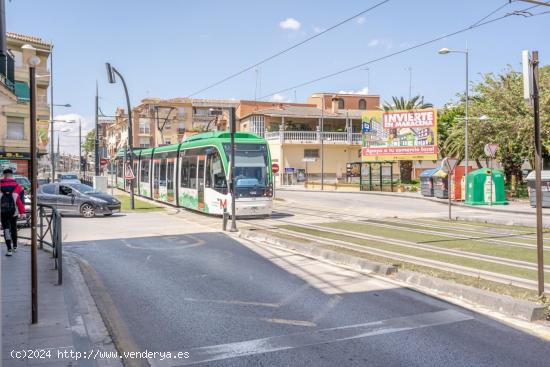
(22, 91)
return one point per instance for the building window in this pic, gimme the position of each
(311, 153)
(16, 128)
(144, 142)
(144, 127)
(341, 104)
(362, 104)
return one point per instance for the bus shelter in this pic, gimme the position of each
(376, 176)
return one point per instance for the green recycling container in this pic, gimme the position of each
(485, 187)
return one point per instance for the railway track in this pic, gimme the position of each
(286, 211)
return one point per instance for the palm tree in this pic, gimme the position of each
(400, 103)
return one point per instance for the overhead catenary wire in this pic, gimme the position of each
(387, 56)
(288, 49)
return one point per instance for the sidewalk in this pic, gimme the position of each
(513, 207)
(67, 318)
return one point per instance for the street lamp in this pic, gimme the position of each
(111, 71)
(33, 62)
(445, 51)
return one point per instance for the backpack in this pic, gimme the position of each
(7, 204)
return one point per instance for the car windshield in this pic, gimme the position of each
(69, 177)
(85, 189)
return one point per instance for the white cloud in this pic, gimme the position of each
(290, 23)
(373, 43)
(361, 20)
(380, 42)
(364, 90)
(279, 98)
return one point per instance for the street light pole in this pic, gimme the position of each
(96, 140)
(51, 114)
(80, 147)
(111, 71)
(33, 62)
(445, 51)
(322, 128)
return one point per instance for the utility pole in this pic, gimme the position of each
(322, 128)
(538, 167)
(80, 147)
(232, 169)
(96, 141)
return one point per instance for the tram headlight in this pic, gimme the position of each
(269, 191)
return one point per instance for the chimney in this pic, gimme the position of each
(334, 104)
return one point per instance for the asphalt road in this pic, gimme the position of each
(229, 304)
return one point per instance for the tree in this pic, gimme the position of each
(89, 142)
(509, 121)
(400, 103)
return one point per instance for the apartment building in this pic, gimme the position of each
(328, 126)
(14, 112)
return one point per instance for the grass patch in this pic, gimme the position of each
(473, 245)
(446, 258)
(140, 205)
(284, 236)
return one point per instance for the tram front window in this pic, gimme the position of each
(251, 175)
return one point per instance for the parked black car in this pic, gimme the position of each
(69, 198)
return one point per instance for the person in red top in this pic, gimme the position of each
(11, 207)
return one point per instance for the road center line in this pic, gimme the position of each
(299, 340)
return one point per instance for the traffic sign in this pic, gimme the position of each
(274, 168)
(103, 161)
(129, 173)
(449, 164)
(490, 150)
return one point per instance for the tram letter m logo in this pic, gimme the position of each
(222, 203)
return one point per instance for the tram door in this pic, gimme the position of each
(156, 169)
(200, 181)
(136, 179)
(163, 192)
(171, 193)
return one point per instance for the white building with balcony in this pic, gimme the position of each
(304, 138)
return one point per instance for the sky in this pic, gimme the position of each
(171, 48)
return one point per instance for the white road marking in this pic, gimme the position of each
(304, 339)
(233, 302)
(289, 322)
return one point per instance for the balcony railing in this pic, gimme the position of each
(7, 72)
(313, 137)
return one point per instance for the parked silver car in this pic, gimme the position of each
(76, 198)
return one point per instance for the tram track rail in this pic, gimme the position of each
(285, 211)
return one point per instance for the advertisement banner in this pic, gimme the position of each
(400, 135)
(42, 127)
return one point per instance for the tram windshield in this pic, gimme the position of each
(251, 165)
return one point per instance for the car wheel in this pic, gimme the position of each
(87, 210)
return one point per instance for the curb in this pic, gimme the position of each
(495, 302)
(315, 252)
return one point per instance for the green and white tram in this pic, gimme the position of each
(193, 174)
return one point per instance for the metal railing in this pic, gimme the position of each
(7, 71)
(330, 137)
(50, 234)
(52, 228)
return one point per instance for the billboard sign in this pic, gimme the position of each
(42, 127)
(400, 135)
